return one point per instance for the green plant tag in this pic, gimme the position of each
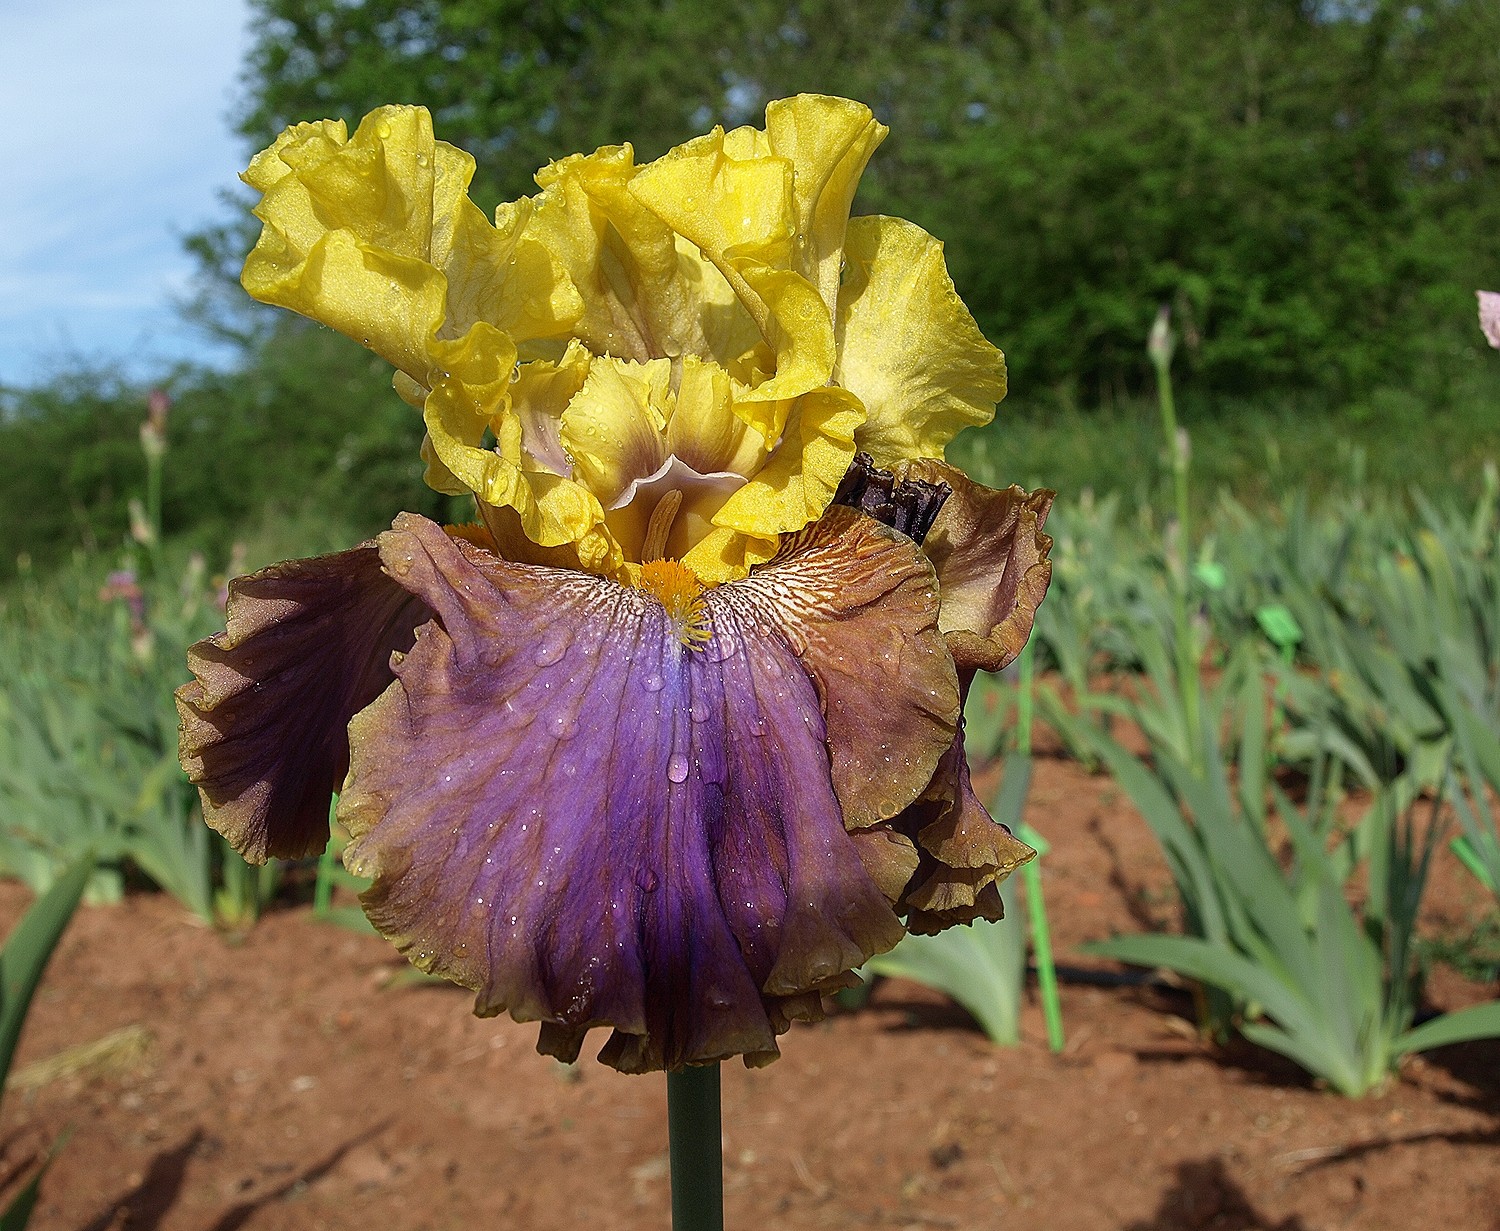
(1279, 625)
(1211, 575)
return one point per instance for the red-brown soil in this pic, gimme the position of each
(285, 1083)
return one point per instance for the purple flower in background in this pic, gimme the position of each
(670, 741)
(122, 585)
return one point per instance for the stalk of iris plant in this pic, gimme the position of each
(670, 739)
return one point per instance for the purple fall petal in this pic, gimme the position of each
(589, 824)
(263, 735)
(858, 602)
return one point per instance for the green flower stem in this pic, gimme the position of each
(1031, 874)
(1177, 450)
(695, 1145)
(1041, 943)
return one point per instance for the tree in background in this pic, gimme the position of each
(1313, 186)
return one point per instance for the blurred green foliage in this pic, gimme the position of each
(307, 430)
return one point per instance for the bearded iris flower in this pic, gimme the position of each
(669, 740)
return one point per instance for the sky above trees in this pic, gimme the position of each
(117, 145)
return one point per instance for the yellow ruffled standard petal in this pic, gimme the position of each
(680, 332)
(376, 236)
(798, 481)
(739, 207)
(639, 302)
(907, 345)
(613, 427)
(829, 141)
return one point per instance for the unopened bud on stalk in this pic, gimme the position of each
(140, 525)
(1163, 341)
(154, 429)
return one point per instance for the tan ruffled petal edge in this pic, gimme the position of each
(941, 862)
(990, 556)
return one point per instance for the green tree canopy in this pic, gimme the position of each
(1312, 185)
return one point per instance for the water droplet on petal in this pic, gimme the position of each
(653, 682)
(677, 767)
(646, 880)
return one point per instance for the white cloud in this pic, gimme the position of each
(117, 143)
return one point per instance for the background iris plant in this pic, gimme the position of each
(669, 740)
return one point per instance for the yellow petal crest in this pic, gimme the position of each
(612, 429)
(703, 429)
(552, 509)
(797, 482)
(908, 346)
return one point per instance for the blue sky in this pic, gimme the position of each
(117, 144)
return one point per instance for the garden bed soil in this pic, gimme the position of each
(287, 1080)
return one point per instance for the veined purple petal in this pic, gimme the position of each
(859, 604)
(569, 811)
(308, 644)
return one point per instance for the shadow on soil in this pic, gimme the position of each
(1205, 1195)
(1133, 894)
(1477, 1065)
(144, 1207)
(1361, 1149)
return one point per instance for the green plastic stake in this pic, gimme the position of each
(1279, 625)
(1031, 873)
(696, 1148)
